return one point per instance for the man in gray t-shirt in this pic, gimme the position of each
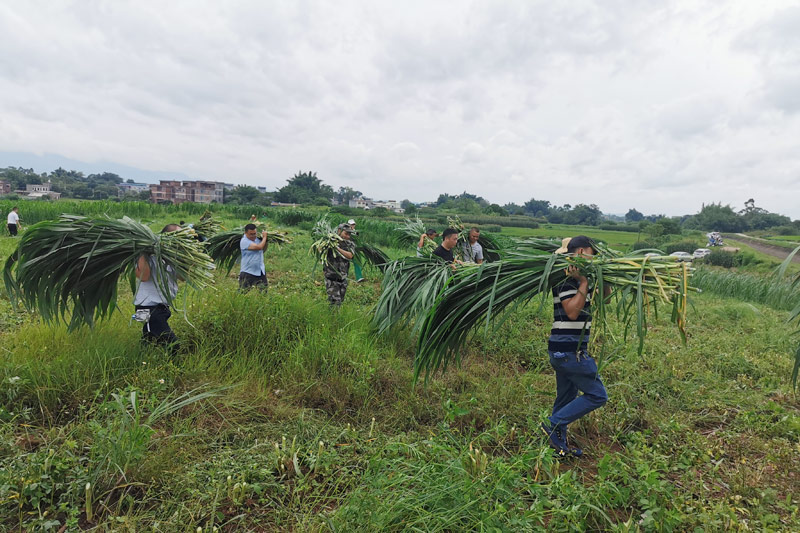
(472, 251)
(152, 305)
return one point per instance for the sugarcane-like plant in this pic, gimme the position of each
(408, 291)
(224, 249)
(208, 225)
(69, 269)
(410, 232)
(475, 297)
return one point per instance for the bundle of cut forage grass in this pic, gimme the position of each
(69, 269)
(208, 225)
(491, 247)
(410, 233)
(368, 254)
(224, 249)
(326, 241)
(408, 291)
(476, 297)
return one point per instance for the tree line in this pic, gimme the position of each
(307, 188)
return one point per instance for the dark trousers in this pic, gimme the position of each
(574, 373)
(246, 281)
(12, 229)
(157, 330)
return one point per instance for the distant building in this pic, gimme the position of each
(5, 187)
(125, 188)
(281, 204)
(178, 192)
(229, 186)
(363, 202)
(39, 190)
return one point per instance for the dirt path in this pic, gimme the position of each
(763, 246)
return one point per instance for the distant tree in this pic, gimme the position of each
(380, 212)
(495, 209)
(633, 216)
(537, 208)
(716, 217)
(345, 194)
(514, 209)
(654, 230)
(242, 194)
(304, 188)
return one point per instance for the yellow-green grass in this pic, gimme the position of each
(621, 239)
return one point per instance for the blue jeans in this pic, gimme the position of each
(575, 372)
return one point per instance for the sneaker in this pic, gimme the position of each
(556, 439)
(557, 435)
(573, 450)
(359, 280)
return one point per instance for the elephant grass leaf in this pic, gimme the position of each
(69, 269)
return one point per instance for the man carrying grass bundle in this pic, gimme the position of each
(472, 251)
(575, 369)
(152, 305)
(428, 238)
(356, 266)
(445, 250)
(253, 273)
(337, 264)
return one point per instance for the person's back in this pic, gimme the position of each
(150, 292)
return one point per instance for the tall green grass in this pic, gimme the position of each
(779, 294)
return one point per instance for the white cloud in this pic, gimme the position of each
(615, 103)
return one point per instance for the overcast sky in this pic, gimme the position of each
(655, 105)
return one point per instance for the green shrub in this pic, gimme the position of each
(723, 259)
(681, 246)
(644, 245)
(613, 226)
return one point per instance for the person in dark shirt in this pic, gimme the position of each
(337, 266)
(445, 250)
(575, 369)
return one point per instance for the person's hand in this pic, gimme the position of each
(264, 235)
(575, 273)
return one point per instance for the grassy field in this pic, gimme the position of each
(281, 415)
(621, 239)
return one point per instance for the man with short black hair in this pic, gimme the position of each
(253, 273)
(575, 369)
(337, 265)
(150, 302)
(13, 221)
(445, 250)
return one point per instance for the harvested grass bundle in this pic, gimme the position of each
(408, 291)
(477, 296)
(224, 246)
(410, 232)
(208, 225)
(491, 248)
(326, 241)
(72, 266)
(367, 254)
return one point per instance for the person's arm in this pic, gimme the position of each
(574, 305)
(422, 240)
(143, 269)
(262, 245)
(345, 253)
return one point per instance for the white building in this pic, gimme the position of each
(368, 203)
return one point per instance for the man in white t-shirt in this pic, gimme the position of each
(13, 221)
